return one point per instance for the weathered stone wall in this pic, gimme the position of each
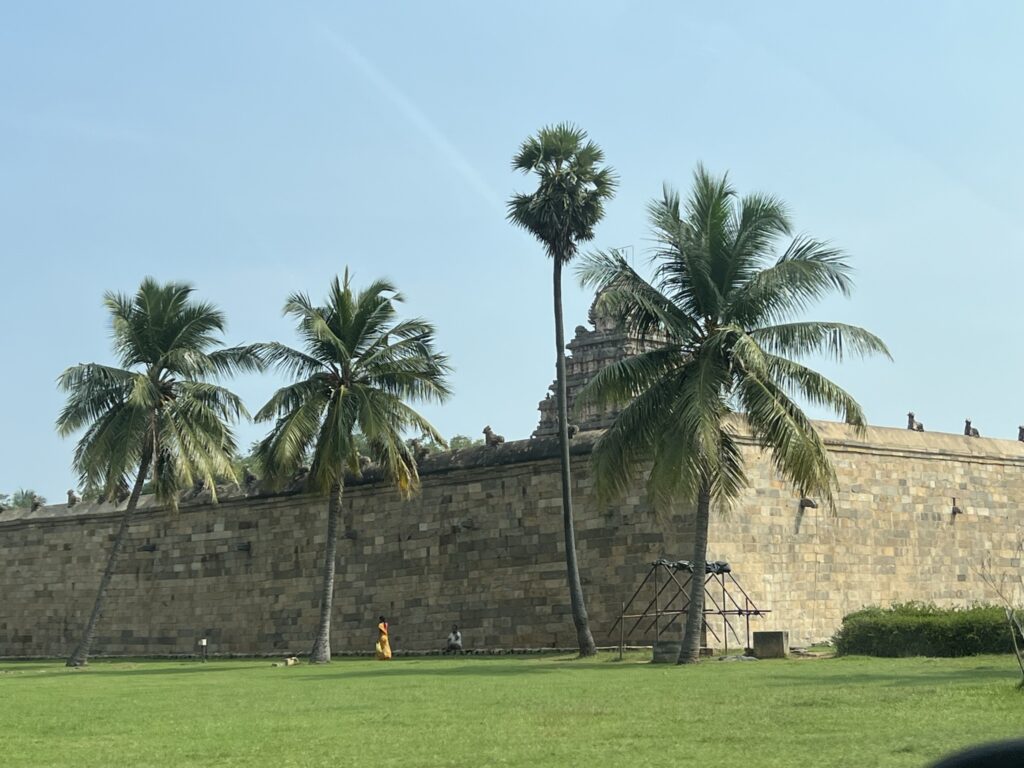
(481, 546)
(893, 537)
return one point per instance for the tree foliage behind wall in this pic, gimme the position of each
(23, 498)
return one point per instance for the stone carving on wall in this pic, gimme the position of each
(492, 439)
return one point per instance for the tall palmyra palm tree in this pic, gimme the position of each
(572, 187)
(722, 304)
(359, 366)
(157, 416)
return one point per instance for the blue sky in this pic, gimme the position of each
(256, 149)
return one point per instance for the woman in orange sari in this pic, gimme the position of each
(383, 646)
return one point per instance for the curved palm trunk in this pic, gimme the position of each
(689, 652)
(579, 608)
(321, 652)
(80, 656)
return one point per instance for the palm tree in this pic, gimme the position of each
(720, 310)
(572, 187)
(359, 365)
(157, 415)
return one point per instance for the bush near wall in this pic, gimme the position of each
(923, 629)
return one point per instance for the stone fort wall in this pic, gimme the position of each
(481, 546)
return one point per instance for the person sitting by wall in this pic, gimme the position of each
(454, 641)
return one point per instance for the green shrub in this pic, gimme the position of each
(924, 629)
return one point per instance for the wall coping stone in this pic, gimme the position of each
(838, 438)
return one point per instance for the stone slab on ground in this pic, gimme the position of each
(771, 645)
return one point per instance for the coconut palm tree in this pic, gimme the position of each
(359, 365)
(572, 187)
(156, 416)
(721, 310)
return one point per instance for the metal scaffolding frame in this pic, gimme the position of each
(719, 600)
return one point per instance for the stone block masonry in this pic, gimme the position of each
(481, 546)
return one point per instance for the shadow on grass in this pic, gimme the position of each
(473, 667)
(823, 674)
(21, 667)
(895, 680)
(108, 670)
(343, 667)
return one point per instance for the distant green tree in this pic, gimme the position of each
(359, 365)
(459, 442)
(157, 416)
(242, 464)
(26, 498)
(572, 186)
(724, 304)
(425, 445)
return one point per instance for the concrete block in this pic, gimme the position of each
(771, 645)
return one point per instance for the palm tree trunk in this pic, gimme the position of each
(80, 656)
(689, 652)
(321, 653)
(579, 608)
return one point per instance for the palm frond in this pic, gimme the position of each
(92, 390)
(192, 326)
(619, 382)
(291, 361)
(683, 271)
(729, 481)
(224, 406)
(624, 294)
(109, 450)
(334, 447)
(807, 272)
(688, 450)
(782, 429)
(315, 329)
(285, 448)
(754, 226)
(834, 340)
(247, 358)
(816, 389)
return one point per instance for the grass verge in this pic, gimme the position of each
(549, 711)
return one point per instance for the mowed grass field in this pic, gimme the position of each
(505, 711)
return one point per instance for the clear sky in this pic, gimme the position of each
(255, 149)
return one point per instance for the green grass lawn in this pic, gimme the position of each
(472, 711)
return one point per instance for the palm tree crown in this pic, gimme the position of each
(721, 310)
(359, 365)
(158, 404)
(725, 305)
(571, 191)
